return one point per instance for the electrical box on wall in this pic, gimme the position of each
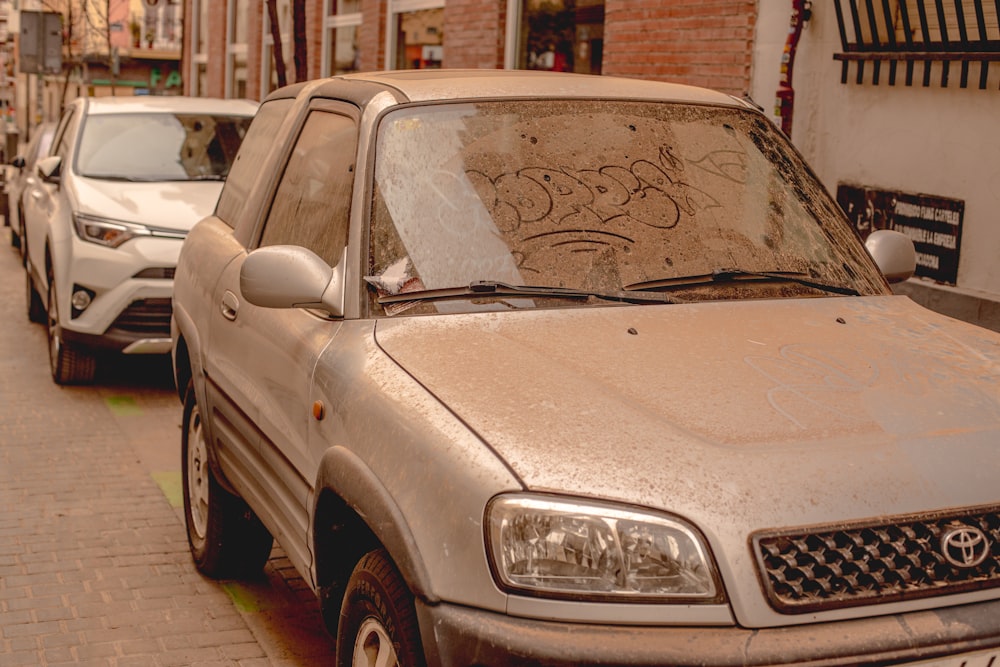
(934, 224)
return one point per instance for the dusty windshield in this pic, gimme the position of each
(159, 146)
(597, 196)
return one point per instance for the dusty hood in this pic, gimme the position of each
(749, 414)
(173, 205)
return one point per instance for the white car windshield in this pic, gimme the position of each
(600, 196)
(159, 146)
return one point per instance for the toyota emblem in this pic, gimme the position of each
(965, 546)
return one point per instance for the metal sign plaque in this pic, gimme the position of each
(934, 224)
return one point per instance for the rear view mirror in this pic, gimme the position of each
(284, 276)
(894, 254)
(49, 168)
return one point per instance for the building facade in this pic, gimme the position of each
(231, 44)
(897, 108)
(92, 48)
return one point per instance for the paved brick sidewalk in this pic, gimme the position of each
(94, 567)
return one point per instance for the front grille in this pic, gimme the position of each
(147, 317)
(878, 562)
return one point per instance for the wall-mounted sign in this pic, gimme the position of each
(934, 224)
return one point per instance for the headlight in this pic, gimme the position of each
(113, 233)
(570, 548)
(106, 232)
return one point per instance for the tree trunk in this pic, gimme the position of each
(299, 31)
(276, 49)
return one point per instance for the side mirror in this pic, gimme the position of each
(50, 168)
(285, 276)
(894, 254)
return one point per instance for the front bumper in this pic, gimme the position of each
(454, 635)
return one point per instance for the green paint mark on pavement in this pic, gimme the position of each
(123, 406)
(245, 597)
(172, 487)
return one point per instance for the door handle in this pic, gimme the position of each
(230, 306)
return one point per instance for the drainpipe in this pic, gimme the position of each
(784, 102)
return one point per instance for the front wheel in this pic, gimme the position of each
(35, 306)
(378, 624)
(69, 364)
(225, 536)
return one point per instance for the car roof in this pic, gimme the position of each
(167, 103)
(448, 84)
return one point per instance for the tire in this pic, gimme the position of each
(68, 363)
(226, 538)
(378, 624)
(35, 306)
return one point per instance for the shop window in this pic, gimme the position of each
(562, 35)
(919, 37)
(418, 42)
(236, 48)
(341, 35)
(199, 60)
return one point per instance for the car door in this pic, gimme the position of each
(264, 358)
(40, 200)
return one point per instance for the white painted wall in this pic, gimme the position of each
(937, 141)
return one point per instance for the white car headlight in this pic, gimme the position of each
(568, 548)
(113, 233)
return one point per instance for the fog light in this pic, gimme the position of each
(81, 299)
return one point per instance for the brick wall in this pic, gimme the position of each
(216, 48)
(372, 42)
(699, 42)
(474, 33)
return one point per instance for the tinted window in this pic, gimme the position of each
(159, 146)
(258, 141)
(312, 205)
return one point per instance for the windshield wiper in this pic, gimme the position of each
(493, 288)
(732, 275)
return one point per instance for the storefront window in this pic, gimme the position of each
(236, 48)
(419, 38)
(341, 36)
(562, 35)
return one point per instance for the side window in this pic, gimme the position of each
(258, 141)
(312, 205)
(63, 137)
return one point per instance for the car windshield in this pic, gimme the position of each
(159, 146)
(602, 196)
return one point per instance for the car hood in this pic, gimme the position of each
(738, 416)
(171, 205)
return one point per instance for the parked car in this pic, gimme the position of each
(23, 178)
(123, 182)
(535, 368)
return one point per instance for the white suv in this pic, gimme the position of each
(123, 182)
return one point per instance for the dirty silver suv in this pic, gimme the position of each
(551, 369)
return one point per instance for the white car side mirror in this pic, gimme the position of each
(285, 276)
(894, 254)
(49, 168)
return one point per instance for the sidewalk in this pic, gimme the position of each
(94, 566)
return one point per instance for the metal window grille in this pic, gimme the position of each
(934, 33)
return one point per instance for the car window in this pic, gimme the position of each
(175, 146)
(311, 206)
(62, 144)
(256, 144)
(599, 195)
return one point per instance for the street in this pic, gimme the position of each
(94, 563)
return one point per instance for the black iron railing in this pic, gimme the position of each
(928, 32)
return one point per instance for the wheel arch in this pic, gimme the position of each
(185, 352)
(354, 514)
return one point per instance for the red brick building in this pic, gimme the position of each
(229, 45)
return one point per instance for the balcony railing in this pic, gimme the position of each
(904, 33)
